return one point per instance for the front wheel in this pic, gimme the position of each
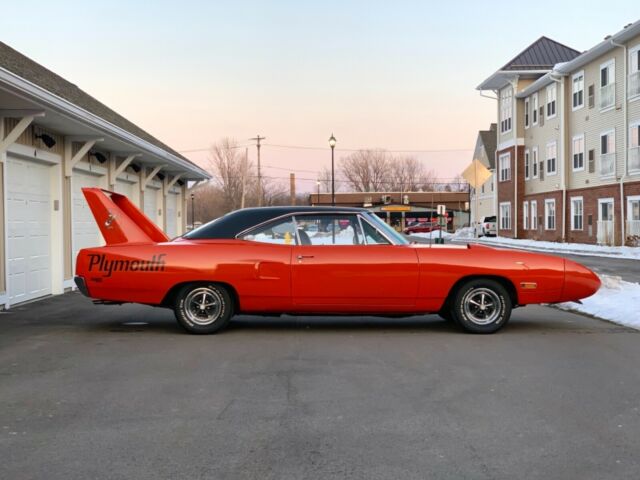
(203, 308)
(482, 306)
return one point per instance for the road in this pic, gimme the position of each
(89, 392)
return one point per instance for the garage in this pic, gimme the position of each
(125, 188)
(151, 203)
(172, 214)
(85, 230)
(28, 230)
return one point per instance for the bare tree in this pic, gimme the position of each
(324, 177)
(458, 184)
(231, 173)
(367, 170)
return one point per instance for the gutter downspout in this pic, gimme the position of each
(514, 85)
(625, 140)
(563, 172)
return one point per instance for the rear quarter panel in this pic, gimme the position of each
(144, 273)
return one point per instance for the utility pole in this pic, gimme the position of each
(257, 139)
(292, 187)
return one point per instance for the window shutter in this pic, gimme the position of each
(541, 170)
(592, 161)
(541, 116)
(592, 99)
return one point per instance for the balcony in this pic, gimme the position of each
(634, 84)
(607, 96)
(607, 165)
(634, 160)
(606, 232)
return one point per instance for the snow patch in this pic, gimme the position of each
(616, 301)
(574, 248)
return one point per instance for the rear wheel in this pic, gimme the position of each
(482, 306)
(203, 308)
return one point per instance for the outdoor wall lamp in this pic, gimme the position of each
(48, 140)
(135, 167)
(99, 156)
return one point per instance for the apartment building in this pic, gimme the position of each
(485, 152)
(568, 162)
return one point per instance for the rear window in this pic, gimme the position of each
(490, 219)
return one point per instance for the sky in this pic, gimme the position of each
(397, 75)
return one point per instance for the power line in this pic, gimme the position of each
(304, 147)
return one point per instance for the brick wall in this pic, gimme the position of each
(541, 233)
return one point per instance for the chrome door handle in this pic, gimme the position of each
(300, 257)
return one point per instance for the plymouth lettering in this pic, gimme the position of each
(100, 263)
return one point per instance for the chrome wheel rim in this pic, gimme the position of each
(203, 306)
(482, 306)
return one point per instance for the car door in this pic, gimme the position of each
(335, 268)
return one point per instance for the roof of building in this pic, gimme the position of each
(489, 141)
(542, 54)
(535, 60)
(31, 71)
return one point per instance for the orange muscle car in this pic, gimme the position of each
(311, 260)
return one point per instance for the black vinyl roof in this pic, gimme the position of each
(542, 54)
(236, 222)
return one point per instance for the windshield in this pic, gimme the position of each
(386, 229)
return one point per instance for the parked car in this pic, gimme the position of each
(264, 261)
(486, 227)
(422, 227)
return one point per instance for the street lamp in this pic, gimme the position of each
(332, 144)
(193, 211)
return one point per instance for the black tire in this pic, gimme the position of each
(211, 315)
(481, 306)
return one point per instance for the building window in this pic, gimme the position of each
(525, 215)
(578, 153)
(576, 213)
(607, 84)
(527, 164)
(578, 91)
(550, 214)
(551, 100)
(634, 148)
(552, 154)
(608, 153)
(505, 216)
(505, 167)
(506, 109)
(634, 72)
(526, 113)
(534, 162)
(534, 214)
(534, 109)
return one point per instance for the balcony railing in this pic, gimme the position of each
(607, 164)
(633, 228)
(634, 159)
(634, 84)
(607, 96)
(606, 232)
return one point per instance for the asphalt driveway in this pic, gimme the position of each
(88, 392)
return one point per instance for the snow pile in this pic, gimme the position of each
(616, 301)
(464, 232)
(574, 248)
(433, 235)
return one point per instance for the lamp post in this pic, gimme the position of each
(332, 144)
(193, 211)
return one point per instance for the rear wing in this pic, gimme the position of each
(119, 220)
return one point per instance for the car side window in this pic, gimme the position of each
(330, 229)
(281, 232)
(372, 235)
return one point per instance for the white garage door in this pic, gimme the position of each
(29, 230)
(172, 212)
(151, 204)
(85, 230)
(125, 188)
